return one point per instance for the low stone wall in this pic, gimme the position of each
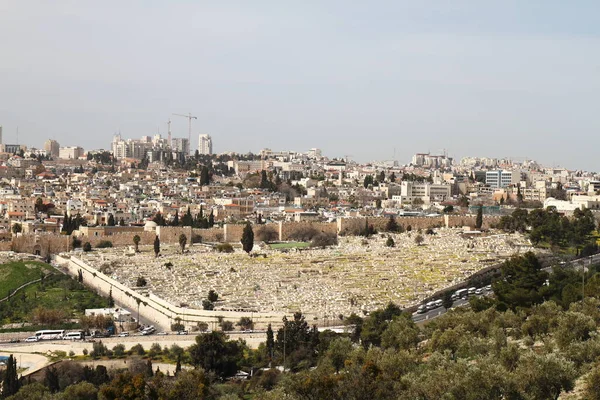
(152, 308)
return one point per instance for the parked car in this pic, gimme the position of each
(163, 333)
(182, 332)
(479, 291)
(32, 339)
(422, 309)
(124, 334)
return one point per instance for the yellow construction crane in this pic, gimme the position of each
(190, 117)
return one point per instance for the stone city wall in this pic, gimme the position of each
(152, 308)
(41, 244)
(233, 232)
(214, 234)
(355, 225)
(170, 234)
(44, 243)
(290, 230)
(122, 239)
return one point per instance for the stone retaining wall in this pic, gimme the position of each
(152, 308)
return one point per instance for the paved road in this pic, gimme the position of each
(436, 312)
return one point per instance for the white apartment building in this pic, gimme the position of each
(70, 153)
(424, 191)
(205, 144)
(502, 178)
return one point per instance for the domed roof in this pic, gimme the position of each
(150, 225)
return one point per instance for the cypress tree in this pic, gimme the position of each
(156, 246)
(248, 238)
(10, 384)
(270, 342)
(479, 218)
(211, 219)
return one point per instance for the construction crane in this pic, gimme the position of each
(190, 117)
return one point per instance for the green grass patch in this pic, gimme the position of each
(55, 292)
(15, 274)
(289, 245)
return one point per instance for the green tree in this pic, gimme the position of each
(213, 296)
(87, 247)
(159, 219)
(182, 242)
(213, 352)
(270, 342)
(592, 385)
(479, 218)
(80, 391)
(111, 220)
(51, 380)
(10, 383)
(187, 219)
(338, 352)
(175, 221)
(522, 282)
(401, 334)
(447, 301)
(391, 225)
(136, 243)
(545, 376)
(156, 246)
(247, 238)
(211, 219)
(390, 242)
(17, 228)
(32, 391)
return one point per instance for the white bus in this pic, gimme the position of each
(73, 336)
(50, 334)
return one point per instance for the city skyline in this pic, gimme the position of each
(504, 79)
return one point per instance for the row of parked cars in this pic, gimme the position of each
(459, 294)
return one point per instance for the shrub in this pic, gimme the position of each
(304, 233)
(390, 242)
(103, 244)
(155, 350)
(119, 350)
(224, 248)
(202, 326)
(87, 247)
(141, 281)
(207, 305)
(99, 350)
(324, 239)
(266, 234)
(212, 296)
(137, 349)
(226, 326)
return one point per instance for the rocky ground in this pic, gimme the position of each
(357, 275)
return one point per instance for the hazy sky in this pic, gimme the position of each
(366, 78)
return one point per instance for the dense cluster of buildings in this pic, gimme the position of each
(36, 192)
